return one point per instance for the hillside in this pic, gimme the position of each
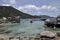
(6, 11)
(44, 16)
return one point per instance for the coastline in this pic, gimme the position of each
(6, 37)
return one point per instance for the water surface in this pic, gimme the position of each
(25, 28)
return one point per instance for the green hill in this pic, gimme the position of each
(7, 11)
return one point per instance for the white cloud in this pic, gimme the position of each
(49, 7)
(29, 7)
(54, 8)
(5, 5)
(34, 7)
(44, 7)
(9, 1)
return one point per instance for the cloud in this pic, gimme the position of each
(49, 7)
(5, 5)
(34, 7)
(29, 7)
(54, 8)
(9, 1)
(44, 7)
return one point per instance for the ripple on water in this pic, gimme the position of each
(26, 28)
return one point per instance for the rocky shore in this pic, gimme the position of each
(6, 37)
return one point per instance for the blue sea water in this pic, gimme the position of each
(25, 28)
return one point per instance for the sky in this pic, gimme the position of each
(35, 7)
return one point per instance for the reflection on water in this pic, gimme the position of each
(25, 28)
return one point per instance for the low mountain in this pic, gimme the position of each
(8, 11)
(44, 16)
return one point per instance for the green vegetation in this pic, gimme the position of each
(8, 11)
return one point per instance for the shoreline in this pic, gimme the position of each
(6, 37)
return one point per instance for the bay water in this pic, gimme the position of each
(25, 28)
